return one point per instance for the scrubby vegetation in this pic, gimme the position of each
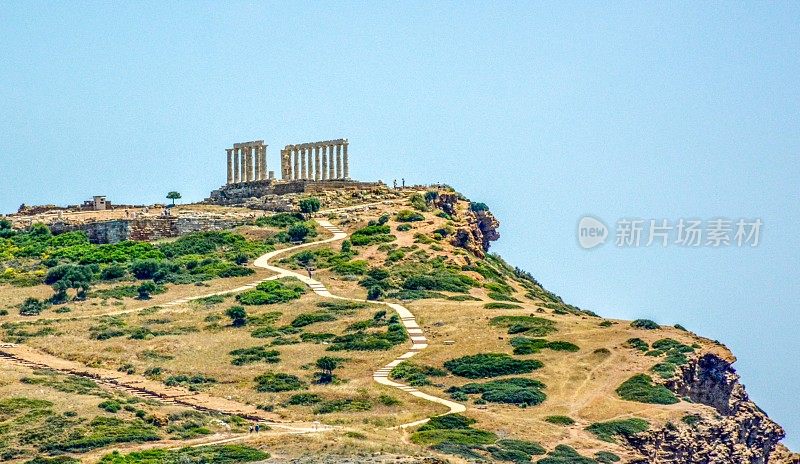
(253, 355)
(69, 262)
(453, 434)
(272, 292)
(607, 431)
(646, 324)
(372, 234)
(560, 420)
(490, 365)
(563, 454)
(497, 305)
(528, 325)
(278, 382)
(675, 355)
(520, 391)
(640, 388)
(525, 345)
(217, 454)
(415, 374)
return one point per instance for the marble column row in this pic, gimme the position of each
(247, 163)
(315, 161)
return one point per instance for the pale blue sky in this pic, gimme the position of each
(545, 111)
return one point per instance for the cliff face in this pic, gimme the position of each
(479, 229)
(735, 431)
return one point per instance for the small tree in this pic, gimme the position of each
(298, 232)
(68, 276)
(310, 205)
(347, 246)
(238, 316)
(173, 196)
(145, 290)
(326, 365)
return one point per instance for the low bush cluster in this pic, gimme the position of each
(490, 365)
(415, 374)
(563, 454)
(217, 454)
(519, 391)
(560, 420)
(675, 355)
(646, 324)
(273, 292)
(528, 325)
(274, 382)
(607, 431)
(255, 354)
(525, 345)
(372, 234)
(406, 215)
(640, 388)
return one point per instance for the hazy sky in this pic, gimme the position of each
(545, 111)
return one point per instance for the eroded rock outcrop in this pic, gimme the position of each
(478, 228)
(733, 430)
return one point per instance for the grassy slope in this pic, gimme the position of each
(580, 385)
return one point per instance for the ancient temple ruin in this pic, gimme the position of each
(316, 161)
(247, 162)
(305, 168)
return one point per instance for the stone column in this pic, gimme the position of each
(338, 160)
(310, 161)
(316, 162)
(296, 163)
(346, 162)
(302, 154)
(248, 164)
(230, 165)
(263, 162)
(253, 163)
(237, 173)
(331, 163)
(324, 172)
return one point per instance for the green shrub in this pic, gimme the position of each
(519, 391)
(343, 405)
(305, 319)
(528, 447)
(560, 420)
(253, 355)
(370, 341)
(606, 431)
(691, 419)
(646, 324)
(637, 344)
(415, 374)
(304, 399)
(238, 316)
(525, 345)
(606, 457)
(490, 365)
(606, 324)
(217, 454)
(418, 202)
(272, 292)
(407, 215)
(563, 454)
(192, 382)
(477, 206)
(32, 307)
(501, 306)
(280, 220)
(403, 227)
(278, 382)
(640, 388)
(310, 205)
(372, 234)
(316, 337)
(454, 429)
(529, 325)
(113, 272)
(111, 406)
(101, 432)
(298, 232)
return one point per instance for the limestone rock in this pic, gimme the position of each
(734, 430)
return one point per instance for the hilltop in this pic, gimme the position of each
(342, 332)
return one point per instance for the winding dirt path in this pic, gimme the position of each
(145, 388)
(418, 340)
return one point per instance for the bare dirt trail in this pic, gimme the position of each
(418, 340)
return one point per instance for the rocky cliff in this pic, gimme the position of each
(477, 228)
(733, 430)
